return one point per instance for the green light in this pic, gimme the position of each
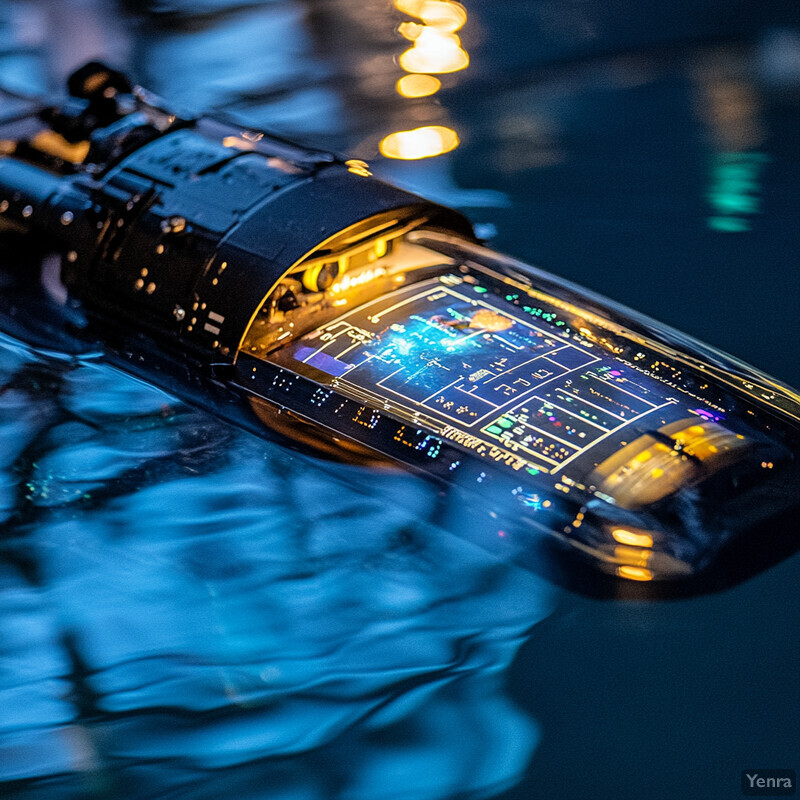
(728, 224)
(729, 201)
(734, 190)
(494, 429)
(505, 423)
(479, 289)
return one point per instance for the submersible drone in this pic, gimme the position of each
(291, 292)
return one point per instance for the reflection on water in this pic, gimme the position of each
(431, 140)
(435, 50)
(188, 607)
(190, 612)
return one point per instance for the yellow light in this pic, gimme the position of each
(432, 140)
(417, 85)
(635, 573)
(55, 144)
(490, 320)
(624, 536)
(657, 472)
(358, 167)
(444, 15)
(632, 556)
(358, 279)
(435, 51)
(238, 143)
(410, 30)
(410, 7)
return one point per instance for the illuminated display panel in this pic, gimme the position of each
(472, 361)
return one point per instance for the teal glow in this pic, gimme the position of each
(734, 190)
(729, 224)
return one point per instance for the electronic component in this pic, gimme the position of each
(367, 323)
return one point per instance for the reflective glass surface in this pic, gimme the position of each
(468, 354)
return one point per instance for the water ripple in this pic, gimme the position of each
(200, 601)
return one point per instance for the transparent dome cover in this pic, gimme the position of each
(622, 439)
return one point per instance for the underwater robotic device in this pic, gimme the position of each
(288, 290)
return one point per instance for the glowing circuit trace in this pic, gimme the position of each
(466, 358)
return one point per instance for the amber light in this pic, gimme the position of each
(417, 85)
(624, 536)
(635, 573)
(444, 15)
(431, 140)
(435, 51)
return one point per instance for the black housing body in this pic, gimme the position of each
(217, 226)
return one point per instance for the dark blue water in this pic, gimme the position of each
(189, 611)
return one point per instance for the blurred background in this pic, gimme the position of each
(188, 611)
